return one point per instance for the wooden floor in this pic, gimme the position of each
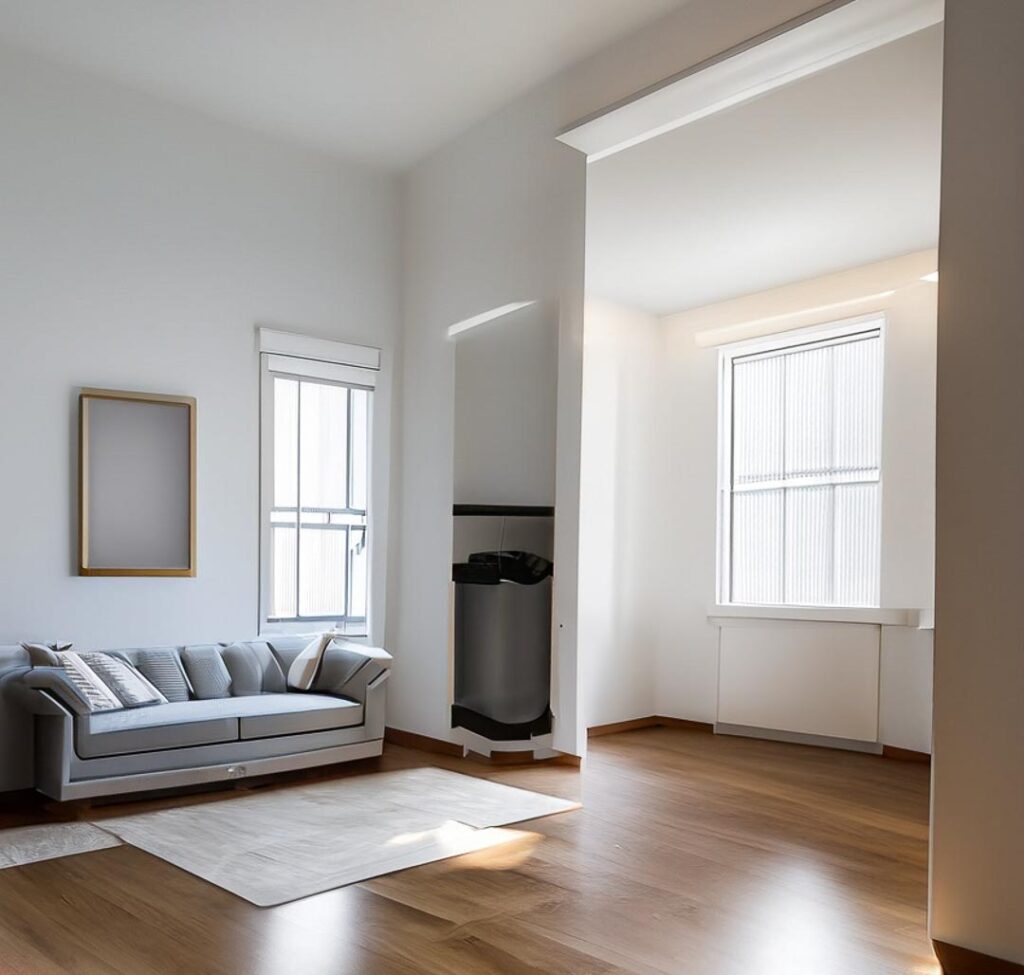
(693, 855)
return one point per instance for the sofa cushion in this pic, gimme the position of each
(97, 695)
(129, 686)
(306, 664)
(295, 714)
(163, 668)
(254, 669)
(206, 671)
(45, 654)
(177, 725)
(210, 722)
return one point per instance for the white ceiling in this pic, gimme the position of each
(381, 81)
(833, 171)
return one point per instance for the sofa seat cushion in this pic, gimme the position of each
(189, 723)
(296, 714)
(177, 725)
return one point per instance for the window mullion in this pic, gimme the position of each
(298, 501)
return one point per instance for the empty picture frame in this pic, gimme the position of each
(136, 484)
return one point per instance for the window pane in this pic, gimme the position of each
(757, 546)
(282, 572)
(857, 545)
(286, 430)
(809, 546)
(757, 420)
(858, 405)
(324, 444)
(808, 412)
(359, 562)
(360, 447)
(322, 572)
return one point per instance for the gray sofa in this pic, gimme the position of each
(246, 724)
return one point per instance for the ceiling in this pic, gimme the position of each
(378, 81)
(833, 171)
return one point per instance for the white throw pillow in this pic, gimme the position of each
(128, 685)
(305, 666)
(96, 694)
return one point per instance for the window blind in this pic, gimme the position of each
(804, 473)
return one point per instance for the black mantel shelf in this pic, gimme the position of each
(503, 510)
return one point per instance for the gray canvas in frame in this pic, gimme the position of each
(139, 485)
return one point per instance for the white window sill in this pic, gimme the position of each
(724, 615)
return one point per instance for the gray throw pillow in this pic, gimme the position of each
(206, 672)
(129, 686)
(45, 654)
(162, 667)
(254, 669)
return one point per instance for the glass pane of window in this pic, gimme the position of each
(286, 442)
(360, 447)
(809, 546)
(282, 572)
(757, 420)
(359, 566)
(757, 546)
(808, 412)
(858, 405)
(323, 440)
(322, 575)
(857, 535)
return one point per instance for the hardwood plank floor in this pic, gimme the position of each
(694, 855)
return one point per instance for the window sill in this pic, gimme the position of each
(724, 615)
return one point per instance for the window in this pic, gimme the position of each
(800, 449)
(315, 552)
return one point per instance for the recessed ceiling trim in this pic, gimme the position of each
(807, 47)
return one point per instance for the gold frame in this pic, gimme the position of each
(84, 396)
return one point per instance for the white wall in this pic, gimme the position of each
(617, 628)
(140, 245)
(495, 216)
(677, 489)
(977, 895)
(506, 388)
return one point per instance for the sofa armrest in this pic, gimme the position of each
(347, 669)
(40, 683)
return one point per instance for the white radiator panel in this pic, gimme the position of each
(802, 677)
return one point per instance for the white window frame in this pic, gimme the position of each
(830, 333)
(289, 355)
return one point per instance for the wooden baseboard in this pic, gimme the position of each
(424, 743)
(686, 724)
(616, 727)
(651, 721)
(905, 755)
(963, 961)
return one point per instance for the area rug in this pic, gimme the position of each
(30, 844)
(279, 846)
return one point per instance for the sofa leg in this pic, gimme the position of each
(77, 809)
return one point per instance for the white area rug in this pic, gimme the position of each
(279, 846)
(29, 844)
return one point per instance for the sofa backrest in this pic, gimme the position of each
(16, 725)
(251, 666)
